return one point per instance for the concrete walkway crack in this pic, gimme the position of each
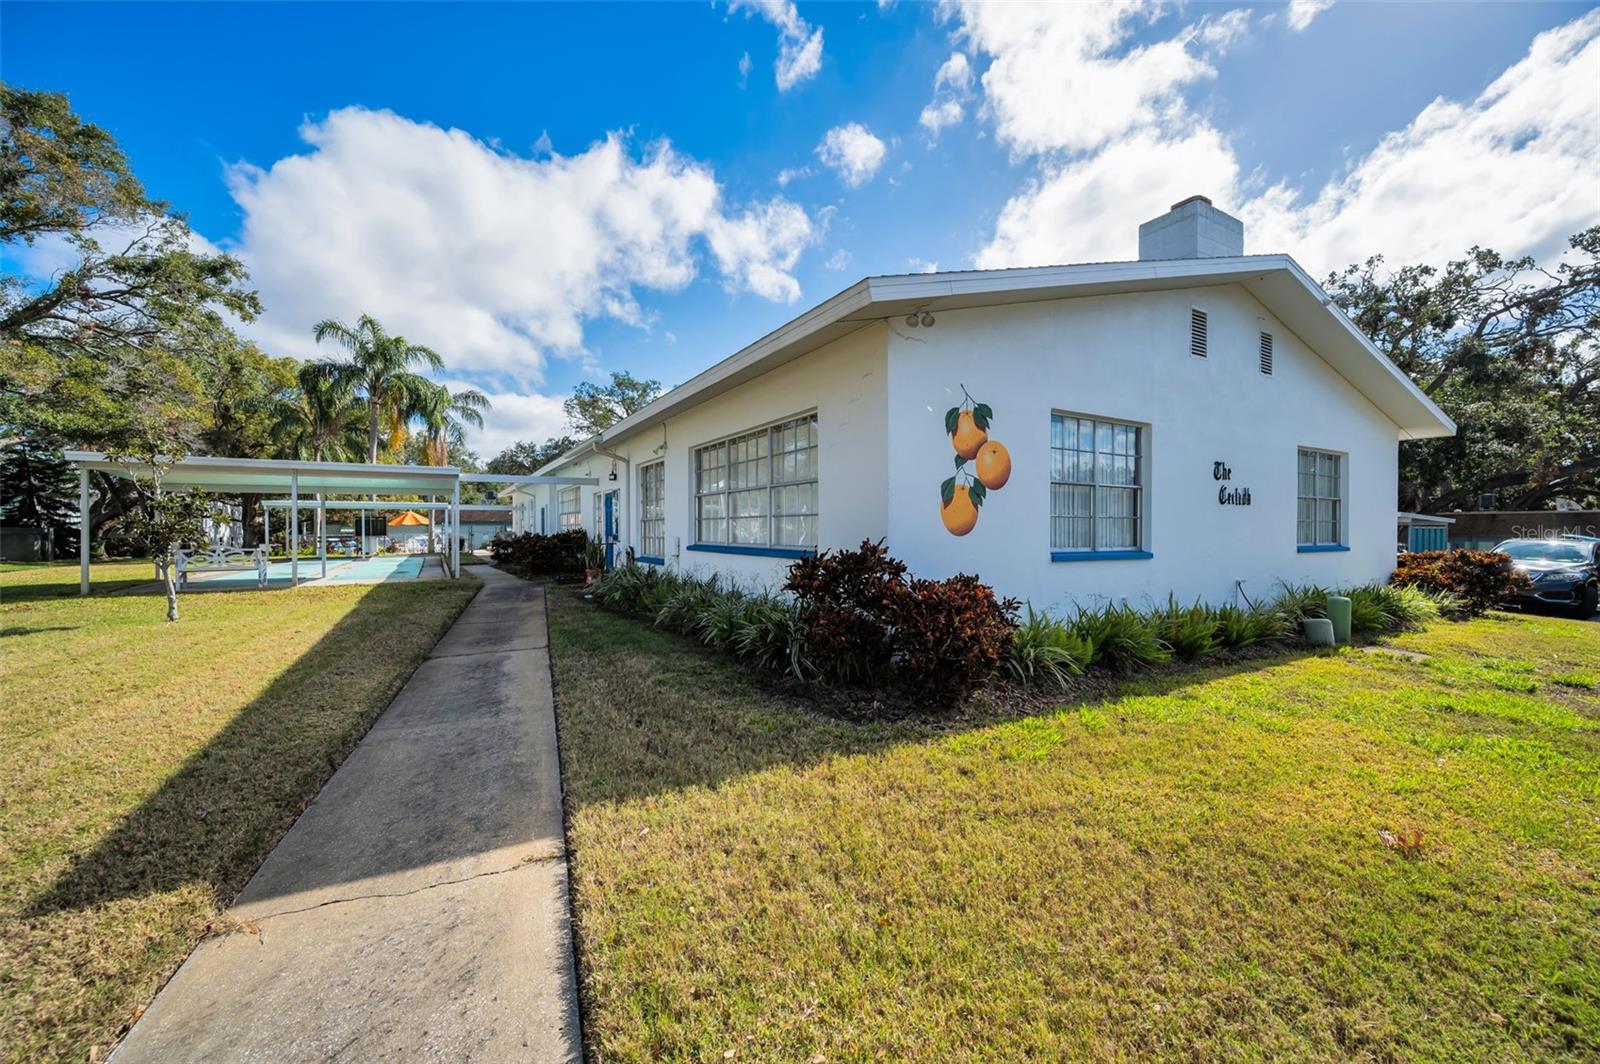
(526, 862)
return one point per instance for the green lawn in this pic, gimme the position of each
(1189, 868)
(148, 769)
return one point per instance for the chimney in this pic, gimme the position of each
(1192, 229)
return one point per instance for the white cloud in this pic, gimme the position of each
(937, 116)
(792, 173)
(758, 249)
(1301, 12)
(1084, 211)
(514, 416)
(839, 260)
(1511, 169)
(1220, 32)
(1065, 77)
(799, 46)
(952, 84)
(954, 73)
(853, 152)
(744, 69)
(494, 259)
(916, 265)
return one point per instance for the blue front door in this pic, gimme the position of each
(611, 528)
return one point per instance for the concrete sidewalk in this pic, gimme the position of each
(418, 909)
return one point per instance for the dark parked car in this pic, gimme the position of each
(1565, 572)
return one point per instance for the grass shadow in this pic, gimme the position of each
(21, 630)
(709, 719)
(216, 818)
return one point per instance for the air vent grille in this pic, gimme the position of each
(1266, 353)
(1197, 333)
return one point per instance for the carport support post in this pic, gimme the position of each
(294, 529)
(266, 526)
(455, 529)
(322, 532)
(83, 531)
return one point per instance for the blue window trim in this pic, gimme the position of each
(757, 552)
(647, 560)
(1100, 555)
(1320, 548)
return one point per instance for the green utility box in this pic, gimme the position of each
(1339, 614)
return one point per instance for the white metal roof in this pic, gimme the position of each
(277, 475)
(1277, 281)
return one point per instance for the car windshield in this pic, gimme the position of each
(1540, 550)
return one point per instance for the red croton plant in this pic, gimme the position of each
(866, 622)
(1480, 579)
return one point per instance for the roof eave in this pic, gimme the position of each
(874, 298)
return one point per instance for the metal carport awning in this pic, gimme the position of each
(280, 476)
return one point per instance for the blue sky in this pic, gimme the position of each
(649, 187)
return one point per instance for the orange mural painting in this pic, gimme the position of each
(962, 496)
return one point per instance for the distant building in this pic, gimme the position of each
(480, 524)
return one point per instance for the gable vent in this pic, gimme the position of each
(1266, 353)
(1197, 333)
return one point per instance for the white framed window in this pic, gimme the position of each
(653, 510)
(1320, 517)
(569, 511)
(1096, 484)
(759, 489)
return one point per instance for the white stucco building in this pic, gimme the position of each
(1198, 422)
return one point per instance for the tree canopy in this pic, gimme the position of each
(593, 408)
(523, 459)
(138, 288)
(1509, 350)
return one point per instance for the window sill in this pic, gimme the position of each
(754, 552)
(1320, 548)
(649, 560)
(1100, 555)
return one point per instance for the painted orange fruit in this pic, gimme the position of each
(959, 515)
(968, 437)
(994, 465)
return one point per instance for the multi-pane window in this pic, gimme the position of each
(653, 510)
(569, 511)
(1096, 481)
(759, 489)
(1321, 488)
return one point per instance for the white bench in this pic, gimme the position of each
(222, 560)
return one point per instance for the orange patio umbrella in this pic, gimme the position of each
(410, 517)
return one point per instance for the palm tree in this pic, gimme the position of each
(321, 421)
(445, 416)
(380, 367)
